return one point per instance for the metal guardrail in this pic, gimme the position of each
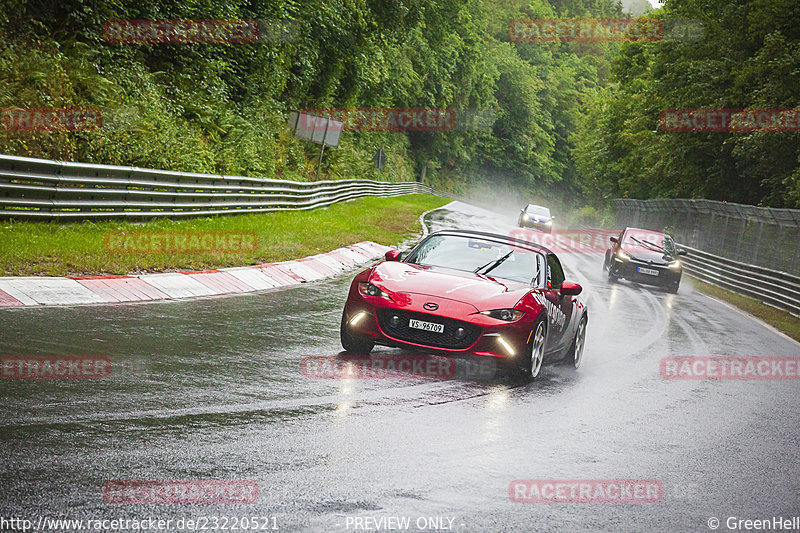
(44, 189)
(772, 287)
(750, 250)
(763, 236)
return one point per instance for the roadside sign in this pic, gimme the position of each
(316, 129)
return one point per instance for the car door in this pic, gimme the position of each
(560, 309)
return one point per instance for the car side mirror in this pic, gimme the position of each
(682, 251)
(392, 255)
(613, 239)
(552, 217)
(569, 288)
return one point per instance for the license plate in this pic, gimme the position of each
(648, 271)
(426, 326)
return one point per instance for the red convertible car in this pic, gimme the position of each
(469, 293)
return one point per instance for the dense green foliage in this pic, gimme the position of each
(223, 107)
(558, 118)
(748, 58)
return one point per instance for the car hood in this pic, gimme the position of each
(644, 254)
(482, 292)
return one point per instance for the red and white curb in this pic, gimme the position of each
(35, 291)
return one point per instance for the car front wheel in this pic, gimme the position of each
(537, 349)
(531, 364)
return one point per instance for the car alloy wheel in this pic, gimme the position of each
(537, 349)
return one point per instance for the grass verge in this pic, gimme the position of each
(81, 249)
(780, 320)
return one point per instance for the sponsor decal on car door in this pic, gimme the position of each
(559, 308)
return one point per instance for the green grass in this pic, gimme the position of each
(780, 320)
(76, 249)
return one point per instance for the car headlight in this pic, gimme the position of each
(622, 256)
(525, 217)
(509, 315)
(675, 265)
(369, 289)
(548, 223)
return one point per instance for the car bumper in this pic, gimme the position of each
(536, 225)
(647, 273)
(482, 337)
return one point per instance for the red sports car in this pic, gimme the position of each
(469, 293)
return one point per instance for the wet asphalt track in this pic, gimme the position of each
(212, 389)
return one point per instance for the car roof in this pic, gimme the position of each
(647, 230)
(506, 239)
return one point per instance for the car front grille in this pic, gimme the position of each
(647, 264)
(664, 273)
(399, 329)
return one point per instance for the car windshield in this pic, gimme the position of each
(494, 259)
(537, 210)
(649, 240)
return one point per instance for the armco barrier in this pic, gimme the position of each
(763, 236)
(44, 189)
(773, 287)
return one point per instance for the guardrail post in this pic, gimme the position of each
(739, 238)
(721, 249)
(713, 215)
(777, 244)
(758, 241)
